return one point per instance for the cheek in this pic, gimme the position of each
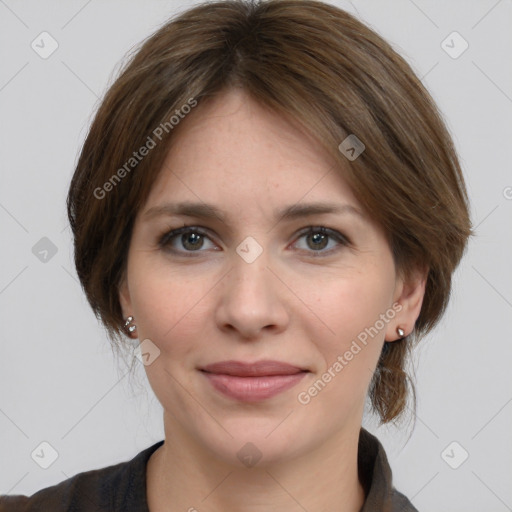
(348, 342)
(171, 313)
(348, 312)
(168, 304)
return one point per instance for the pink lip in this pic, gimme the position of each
(252, 382)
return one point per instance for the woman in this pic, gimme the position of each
(269, 202)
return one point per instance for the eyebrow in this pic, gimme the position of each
(209, 211)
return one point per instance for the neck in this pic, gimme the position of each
(182, 477)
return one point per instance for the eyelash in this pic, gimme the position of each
(167, 237)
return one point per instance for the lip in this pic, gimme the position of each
(252, 382)
(263, 368)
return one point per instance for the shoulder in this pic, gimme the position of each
(90, 490)
(400, 503)
(109, 488)
(376, 477)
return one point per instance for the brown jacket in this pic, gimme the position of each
(122, 487)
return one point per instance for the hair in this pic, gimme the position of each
(319, 66)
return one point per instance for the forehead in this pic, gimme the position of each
(233, 148)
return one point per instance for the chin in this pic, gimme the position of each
(254, 442)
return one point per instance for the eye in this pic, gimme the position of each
(187, 239)
(318, 238)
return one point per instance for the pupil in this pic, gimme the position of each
(192, 241)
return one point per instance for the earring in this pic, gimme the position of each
(400, 332)
(128, 327)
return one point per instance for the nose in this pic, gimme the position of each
(252, 300)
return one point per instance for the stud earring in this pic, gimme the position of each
(400, 332)
(127, 325)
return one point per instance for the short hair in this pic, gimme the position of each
(319, 66)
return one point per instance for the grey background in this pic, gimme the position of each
(59, 382)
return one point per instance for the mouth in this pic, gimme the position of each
(252, 382)
(257, 369)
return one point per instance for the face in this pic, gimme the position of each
(252, 247)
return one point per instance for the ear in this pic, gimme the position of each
(409, 294)
(126, 306)
(124, 298)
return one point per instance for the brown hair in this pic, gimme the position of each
(315, 64)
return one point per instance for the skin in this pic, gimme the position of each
(303, 301)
